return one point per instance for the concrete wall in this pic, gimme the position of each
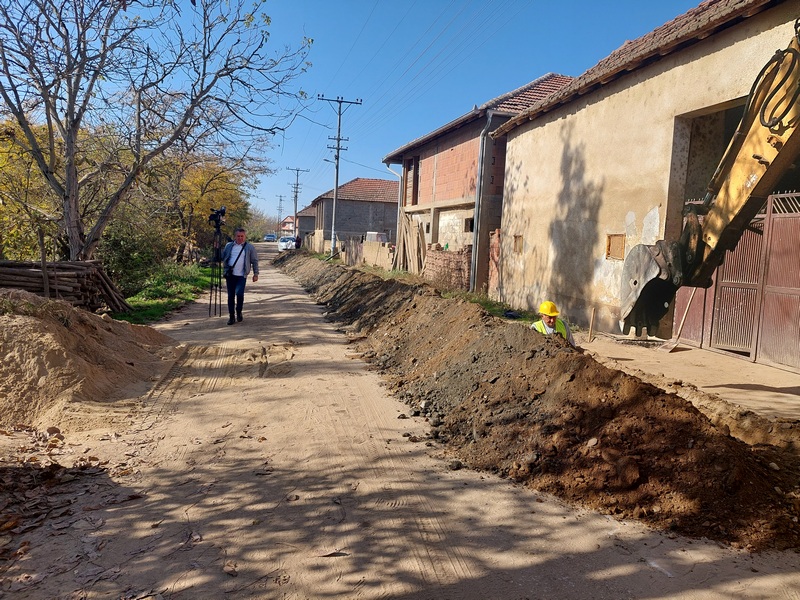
(452, 225)
(376, 254)
(305, 225)
(616, 161)
(353, 220)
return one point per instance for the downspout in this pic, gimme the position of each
(399, 201)
(473, 267)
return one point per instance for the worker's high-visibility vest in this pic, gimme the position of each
(560, 327)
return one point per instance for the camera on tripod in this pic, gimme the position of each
(217, 217)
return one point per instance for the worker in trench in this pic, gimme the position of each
(549, 323)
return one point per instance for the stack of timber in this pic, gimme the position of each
(81, 283)
(410, 253)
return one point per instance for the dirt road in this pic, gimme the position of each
(269, 462)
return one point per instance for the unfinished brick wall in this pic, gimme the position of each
(448, 269)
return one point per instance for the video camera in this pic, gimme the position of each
(217, 216)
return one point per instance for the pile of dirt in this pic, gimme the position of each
(58, 360)
(509, 401)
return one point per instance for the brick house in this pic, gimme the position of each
(611, 160)
(362, 205)
(452, 186)
(287, 225)
(305, 221)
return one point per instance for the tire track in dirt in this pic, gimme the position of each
(368, 439)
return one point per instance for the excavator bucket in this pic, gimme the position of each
(764, 147)
(646, 295)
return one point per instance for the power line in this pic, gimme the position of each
(338, 148)
(280, 210)
(296, 190)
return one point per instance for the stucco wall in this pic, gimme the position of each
(451, 228)
(616, 162)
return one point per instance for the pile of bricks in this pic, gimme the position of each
(448, 269)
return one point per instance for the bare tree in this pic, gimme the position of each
(137, 76)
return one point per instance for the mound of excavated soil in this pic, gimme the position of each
(507, 400)
(58, 359)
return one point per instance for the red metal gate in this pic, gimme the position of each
(757, 293)
(778, 339)
(736, 301)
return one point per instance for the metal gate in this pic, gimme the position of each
(757, 298)
(779, 325)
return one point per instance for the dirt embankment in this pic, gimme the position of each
(507, 400)
(500, 396)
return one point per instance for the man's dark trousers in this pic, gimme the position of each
(235, 286)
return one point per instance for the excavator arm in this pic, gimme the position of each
(763, 148)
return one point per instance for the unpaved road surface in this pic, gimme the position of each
(268, 461)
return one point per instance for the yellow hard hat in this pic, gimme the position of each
(548, 308)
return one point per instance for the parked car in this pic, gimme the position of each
(286, 243)
(270, 237)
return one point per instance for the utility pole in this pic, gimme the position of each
(296, 190)
(338, 147)
(280, 215)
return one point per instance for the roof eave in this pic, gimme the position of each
(636, 62)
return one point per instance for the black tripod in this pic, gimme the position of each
(217, 219)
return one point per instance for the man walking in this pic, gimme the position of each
(237, 258)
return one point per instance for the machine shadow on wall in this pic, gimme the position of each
(573, 234)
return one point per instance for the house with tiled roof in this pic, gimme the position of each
(452, 187)
(611, 159)
(305, 221)
(361, 206)
(287, 225)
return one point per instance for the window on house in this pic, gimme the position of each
(615, 246)
(427, 227)
(517, 244)
(469, 225)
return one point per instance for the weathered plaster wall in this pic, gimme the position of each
(451, 228)
(617, 161)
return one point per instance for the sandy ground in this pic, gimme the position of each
(268, 461)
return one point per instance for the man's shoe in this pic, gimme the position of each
(239, 318)
(231, 321)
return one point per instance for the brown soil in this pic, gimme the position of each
(509, 401)
(500, 396)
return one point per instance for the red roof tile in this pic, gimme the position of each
(308, 211)
(365, 190)
(509, 104)
(532, 93)
(708, 18)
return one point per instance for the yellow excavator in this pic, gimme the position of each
(763, 148)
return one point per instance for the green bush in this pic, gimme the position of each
(168, 287)
(131, 256)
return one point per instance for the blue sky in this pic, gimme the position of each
(418, 64)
